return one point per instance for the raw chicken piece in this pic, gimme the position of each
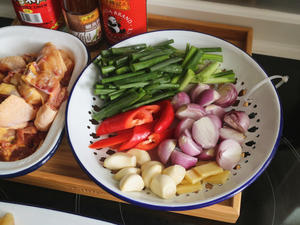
(57, 97)
(14, 111)
(31, 94)
(44, 117)
(69, 62)
(47, 72)
(12, 63)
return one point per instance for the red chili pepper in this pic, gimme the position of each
(154, 139)
(166, 116)
(140, 133)
(118, 139)
(127, 119)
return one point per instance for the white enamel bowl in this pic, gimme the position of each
(261, 143)
(18, 40)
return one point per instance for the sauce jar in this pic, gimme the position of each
(83, 20)
(40, 13)
(123, 18)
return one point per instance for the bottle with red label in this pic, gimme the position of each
(83, 20)
(40, 13)
(123, 18)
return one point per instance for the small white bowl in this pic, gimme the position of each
(18, 40)
(261, 143)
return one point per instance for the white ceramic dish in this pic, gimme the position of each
(17, 40)
(261, 143)
(29, 215)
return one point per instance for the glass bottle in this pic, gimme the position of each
(123, 18)
(83, 20)
(38, 13)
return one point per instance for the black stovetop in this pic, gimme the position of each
(273, 199)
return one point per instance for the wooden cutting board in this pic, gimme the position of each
(63, 173)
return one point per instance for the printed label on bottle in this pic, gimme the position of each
(123, 18)
(41, 13)
(86, 27)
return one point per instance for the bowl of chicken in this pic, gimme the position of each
(37, 70)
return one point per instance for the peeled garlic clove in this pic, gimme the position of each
(150, 172)
(142, 156)
(131, 182)
(176, 172)
(148, 164)
(123, 172)
(163, 186)
(119, 161)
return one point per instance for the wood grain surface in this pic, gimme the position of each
(63, 173)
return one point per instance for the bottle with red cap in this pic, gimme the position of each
(123, 18)
(40, 13)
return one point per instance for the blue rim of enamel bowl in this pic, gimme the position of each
(193, 205)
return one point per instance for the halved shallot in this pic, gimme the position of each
(207, 97)
(165, 150)
(215, 110)
(196, 91)
(183, 159)
(228, 95)
(228, 154)
(188, 145)
(205, 132)
(180, 99)
(193, 111)
(238, 120)
(186, 123)
(217, 121)
(207, 154)
(229, 133)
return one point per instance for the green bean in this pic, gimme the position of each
(148, 63)
(122, 70)
(155, 53)
(106, 53)
(219, 80)
(165, 63)
(153, 99)
(133, 85)
(103, 91)
(187, 79)
(120, 77)
(121, 60)
(214, 49)
(164, 43)
(140, 78)
(175, 79)
(189, 55)
(107, 69)
(161, 87)
(117, 106)
(173, 68)
(207, 71)
(213, 57)
(193, 62)
(136, 55)
(127, 49)
(223, 73)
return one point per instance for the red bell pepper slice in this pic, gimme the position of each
(166, 116)
(154, 139)
(118, 139)
(127, 119)
(140, 133)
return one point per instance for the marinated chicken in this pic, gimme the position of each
(32, 88)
